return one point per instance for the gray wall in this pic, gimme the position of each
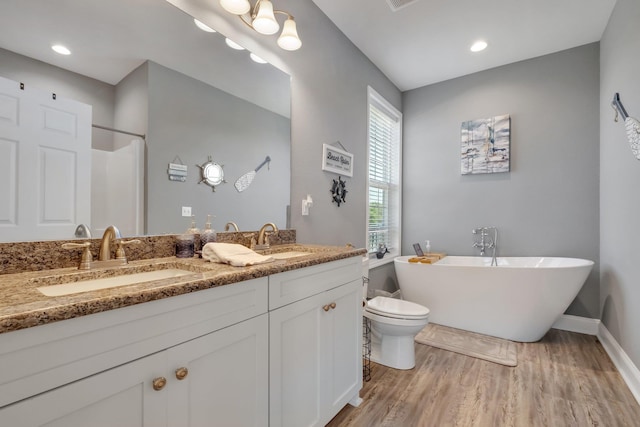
(329, 79)
(619, 178)
(192, 120)
(329, 103)
(67, 85)
(548, 204)
(131, 105)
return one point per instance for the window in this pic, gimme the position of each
(384, 160)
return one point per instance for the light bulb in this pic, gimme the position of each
(265, 22)
(232, 44)
(203, 27)
(289, 39)
(237, 7)
(478, 46)
(257, 59)
(62, 50)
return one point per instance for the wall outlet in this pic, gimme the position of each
(186, 211)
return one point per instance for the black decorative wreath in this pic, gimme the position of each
(339, 191)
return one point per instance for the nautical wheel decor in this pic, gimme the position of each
(212, 174)
(339, 191)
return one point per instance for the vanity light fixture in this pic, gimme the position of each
(261, 18)
(478, 46)
(203, 27)
(62, 50)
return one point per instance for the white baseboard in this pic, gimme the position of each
(583, 325)
(629, 372)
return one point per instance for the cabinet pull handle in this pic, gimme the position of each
(181, 373)
(326, 307)
(332, 305)
(159, 383)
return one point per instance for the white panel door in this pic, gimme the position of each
(10, 137)
(122, 396)
(47, 143)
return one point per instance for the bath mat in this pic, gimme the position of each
(496, 350)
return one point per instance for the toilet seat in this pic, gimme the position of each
(396, 309)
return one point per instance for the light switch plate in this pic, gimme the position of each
(186, 211)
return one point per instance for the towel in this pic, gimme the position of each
(233, 254)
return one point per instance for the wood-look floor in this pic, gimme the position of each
(566, 379)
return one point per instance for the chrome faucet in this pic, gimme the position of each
(263, 239)
(231, 224)
(486, 242)
(110, 233)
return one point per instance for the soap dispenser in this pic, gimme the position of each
(185, 243)
(208, 235)
(193, 229)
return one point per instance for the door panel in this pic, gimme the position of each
(48, 164)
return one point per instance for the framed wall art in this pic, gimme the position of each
(485, 145)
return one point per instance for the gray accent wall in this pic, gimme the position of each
(548, 204)
(619, 178)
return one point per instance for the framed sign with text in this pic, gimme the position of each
(336, 160)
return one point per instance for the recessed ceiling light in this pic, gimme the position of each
(62, 50)
(257, 59)
(232, 44)
(203, 27)
(478, 46)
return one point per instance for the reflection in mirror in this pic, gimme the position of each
(183, 89)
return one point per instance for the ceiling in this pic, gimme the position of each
(422, 43)
(111, 38)
(428, 41)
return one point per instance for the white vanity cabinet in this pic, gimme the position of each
(191, 360)
(315, 332)
(220, 379)
(283, 350)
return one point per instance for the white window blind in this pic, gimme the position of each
(385, 125)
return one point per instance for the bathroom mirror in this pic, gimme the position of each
(144, 67)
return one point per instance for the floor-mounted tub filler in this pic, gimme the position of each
(519, 299)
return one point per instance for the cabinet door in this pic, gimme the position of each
(227, 377)
(342, 329)
(315, 356)
(295, 363)
(122, 396)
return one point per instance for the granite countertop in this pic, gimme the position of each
(23, 306)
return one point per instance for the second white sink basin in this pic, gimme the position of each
(111, 282)
(287, 255)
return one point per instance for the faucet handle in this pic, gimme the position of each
(87, 257)
(120, 249)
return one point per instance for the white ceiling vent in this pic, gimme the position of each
(396, 5)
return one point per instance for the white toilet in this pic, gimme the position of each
(394, 325)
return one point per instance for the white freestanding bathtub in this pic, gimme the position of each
(519, 299)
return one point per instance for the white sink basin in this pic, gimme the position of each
(287, 255)
(111, 282)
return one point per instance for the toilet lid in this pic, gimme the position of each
(396, 308)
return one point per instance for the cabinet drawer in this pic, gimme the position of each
(291, 286)
(43, 357)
